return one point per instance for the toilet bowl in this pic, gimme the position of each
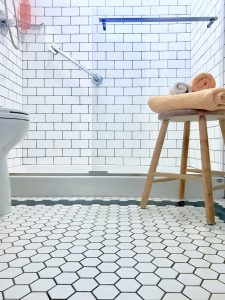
(13, 126)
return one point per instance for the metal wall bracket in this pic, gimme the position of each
(4, 24)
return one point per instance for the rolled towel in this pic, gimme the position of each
(203, 81)
(210, 99)
(180, 88)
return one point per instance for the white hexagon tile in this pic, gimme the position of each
(88, 249)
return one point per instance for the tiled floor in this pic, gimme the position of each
(111, 249)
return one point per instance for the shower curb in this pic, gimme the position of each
(102, 186)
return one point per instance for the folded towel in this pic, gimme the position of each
(210, 99)
(203, 81)
(180, 88)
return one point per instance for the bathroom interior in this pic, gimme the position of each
(77, 139)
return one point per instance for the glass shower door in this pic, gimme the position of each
(121, 118)
(137, 60)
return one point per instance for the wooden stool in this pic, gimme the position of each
(187, 116)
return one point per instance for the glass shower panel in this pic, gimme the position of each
(136, 61)
(121, 119)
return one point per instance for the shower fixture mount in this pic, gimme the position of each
(3, 23)
(96, 78)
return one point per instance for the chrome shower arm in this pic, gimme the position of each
(96, 78)
(57, 50)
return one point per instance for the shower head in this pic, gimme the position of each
(53, 49)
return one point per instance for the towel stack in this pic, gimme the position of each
(200, 82)
(200, 94)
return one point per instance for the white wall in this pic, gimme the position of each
(11, 80)
(57, 95)
(207, 50)
(73, 123)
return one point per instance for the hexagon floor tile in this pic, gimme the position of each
(108, 248)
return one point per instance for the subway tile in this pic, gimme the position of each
(136, 60)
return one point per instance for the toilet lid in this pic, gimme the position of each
(11, 113)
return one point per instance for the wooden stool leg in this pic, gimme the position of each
(222, 128)
(206, 169)
(184, 158)
(154, 163)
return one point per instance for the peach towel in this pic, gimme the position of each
(210, 99)
(203, 81)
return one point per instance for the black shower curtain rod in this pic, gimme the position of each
(211, 20)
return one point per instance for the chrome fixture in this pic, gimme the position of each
(211, 20)
(96, 78)
(5, 24)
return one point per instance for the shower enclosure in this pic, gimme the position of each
(78, 127)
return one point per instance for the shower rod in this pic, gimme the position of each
(96, 78)
(211, 20)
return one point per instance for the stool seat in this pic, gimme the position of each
(187, 116)
(192, 115)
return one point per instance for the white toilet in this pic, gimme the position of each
(13, 126)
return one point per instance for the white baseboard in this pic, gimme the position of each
(108, 186)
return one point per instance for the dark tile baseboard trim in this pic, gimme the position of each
(219, 209)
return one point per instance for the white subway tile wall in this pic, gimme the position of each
(74, 122)
(11, 80)
(207, 51)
